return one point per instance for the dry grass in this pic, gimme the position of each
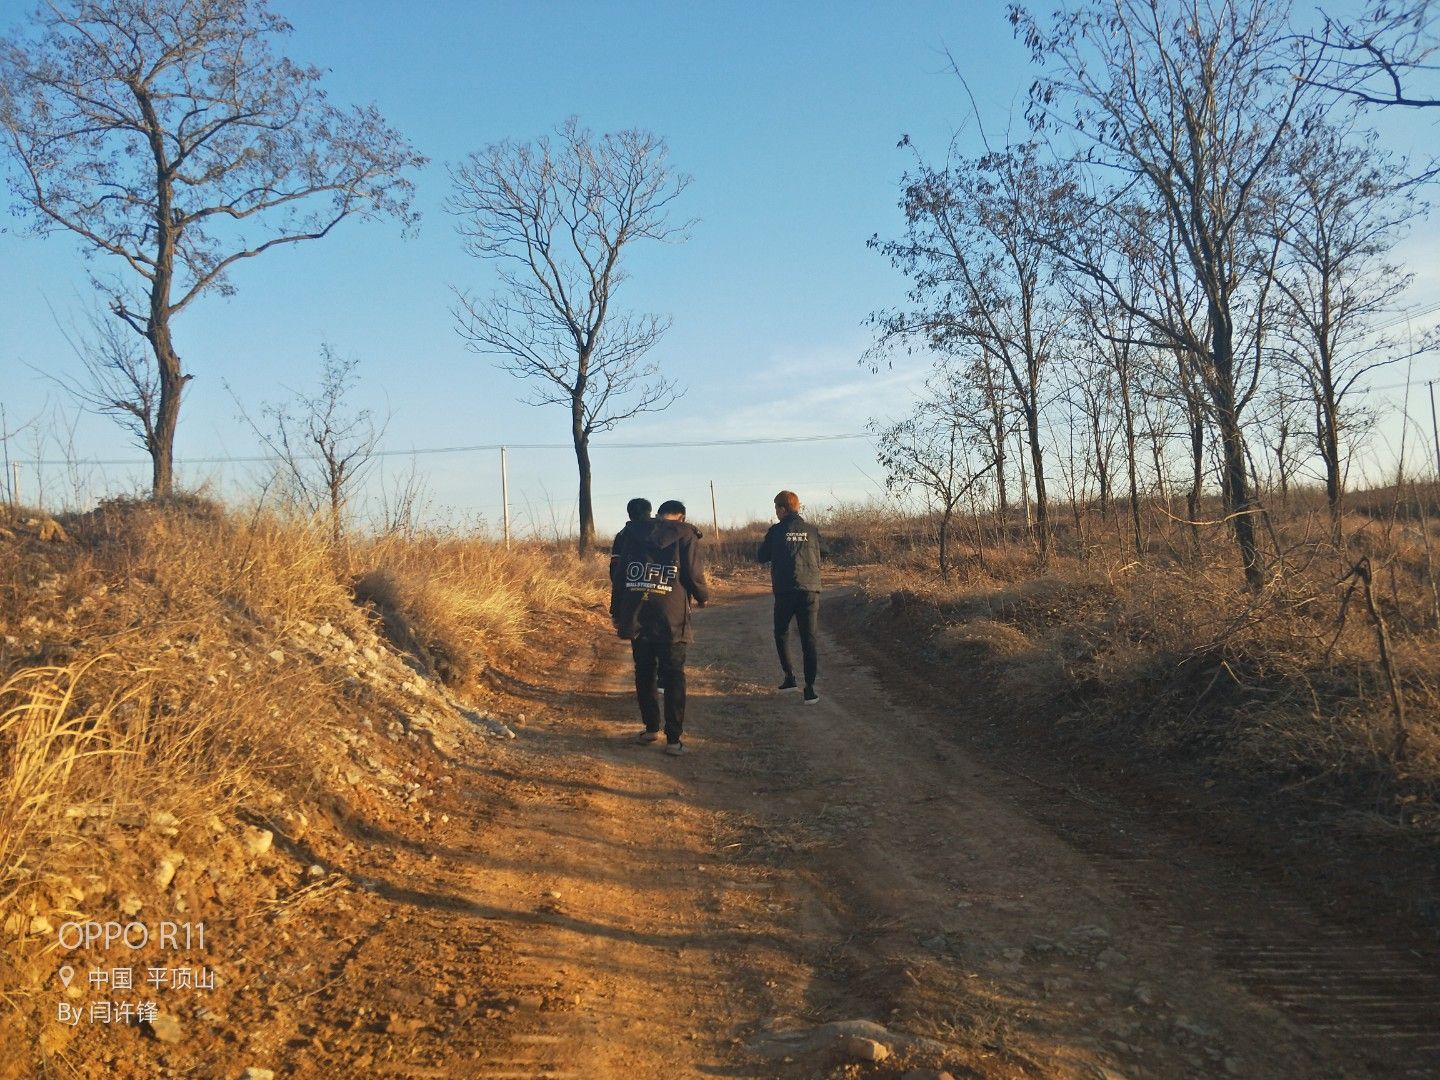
(458, 604)
(1167, 655)
(162, 658)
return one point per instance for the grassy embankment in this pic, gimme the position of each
(1161, 661)
(188, 666)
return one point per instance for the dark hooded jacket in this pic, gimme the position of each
(633, 532)
(660, 570)
(792, 548)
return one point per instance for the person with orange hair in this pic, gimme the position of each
(792, 548)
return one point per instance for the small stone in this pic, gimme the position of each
(402, 1025)
(278, 655)
(165, 871)
(253, 1073)
(163, 819)
(257, 841)
(165, 1028)
(41, 925)
(857, 1048)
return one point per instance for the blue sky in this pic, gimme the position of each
(786, 115)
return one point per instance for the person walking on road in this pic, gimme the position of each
(792, 548)
(639, 526)
(662, 571)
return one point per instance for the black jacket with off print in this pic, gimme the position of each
(633, 532)
(659, 571)
(792, 548)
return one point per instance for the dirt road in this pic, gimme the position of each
(594, 908)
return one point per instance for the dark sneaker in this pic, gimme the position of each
(789, 684)
(648, 737)
(675, 749)
(811, 698)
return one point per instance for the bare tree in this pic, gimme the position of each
(323, 447)
(121, 379)
(167, 134)
(982, 273)
(1345, 208)
(930, 450)
(1375, 57)
(1190, 102)
(556, 217)
(987, 378)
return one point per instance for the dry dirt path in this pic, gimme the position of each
(597, 909)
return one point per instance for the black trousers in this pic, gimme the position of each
(664, 659)
(804, 608)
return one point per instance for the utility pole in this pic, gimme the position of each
(505, 495)
(5, 443)
(714, 514)
(15, 484)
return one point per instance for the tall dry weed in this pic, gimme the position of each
(461, 603)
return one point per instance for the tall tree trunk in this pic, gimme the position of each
(167, 411)
(1024, 483)
(1282, 441)
(157, 326)
(944, 538)
(1330, 447)
(1037, 460)
(1001, 505)
(582, 461)
(1232, 445)
(1195, 415)
(1128, 414)
(1102, 461)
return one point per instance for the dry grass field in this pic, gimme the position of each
(182, 667)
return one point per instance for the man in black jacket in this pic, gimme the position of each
(639, 526)
(661, 571)
(792, 548)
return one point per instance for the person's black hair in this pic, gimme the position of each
(671, 506)
(638, 509)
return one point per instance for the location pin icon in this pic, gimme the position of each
(66, 974)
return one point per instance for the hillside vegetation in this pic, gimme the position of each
(185, 687)
(1317, 694)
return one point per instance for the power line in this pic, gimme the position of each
(1407, 316)
(264, 458)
